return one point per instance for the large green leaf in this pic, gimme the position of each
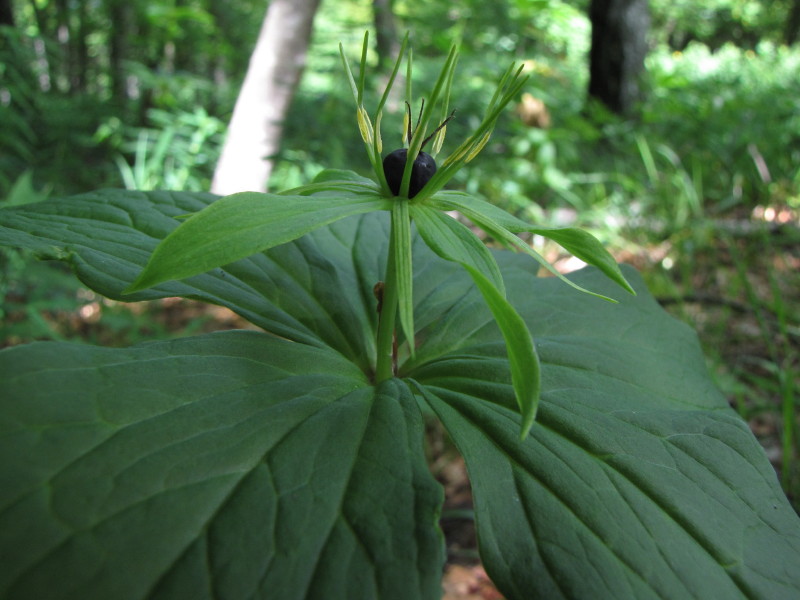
(313, 291)
(233, 465)
(637, 480)
(317, 290)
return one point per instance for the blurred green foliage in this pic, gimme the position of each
(177, 152)
(718, 110)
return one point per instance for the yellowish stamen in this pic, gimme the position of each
(478, 147)
(378, 140)
(438, 140)
(456, 156)
(364, 125)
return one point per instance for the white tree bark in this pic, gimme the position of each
(256, 126)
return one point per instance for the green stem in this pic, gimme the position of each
(384, 367)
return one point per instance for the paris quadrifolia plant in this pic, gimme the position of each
(290, 463)
(243, 224)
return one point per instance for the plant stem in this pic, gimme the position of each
(384, 367)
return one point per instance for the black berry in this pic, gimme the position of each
(421, 172)
(423, 168)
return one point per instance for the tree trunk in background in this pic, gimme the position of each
(792, 31)
(619, 45)
(6, 13)
(120, 14)
(80, 62)
(275, 68)
(386, 39)
(61, 62)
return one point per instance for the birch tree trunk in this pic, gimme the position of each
(255, 130)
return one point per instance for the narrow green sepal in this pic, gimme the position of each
(240, 225)
(522, 356)
(401, 224)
